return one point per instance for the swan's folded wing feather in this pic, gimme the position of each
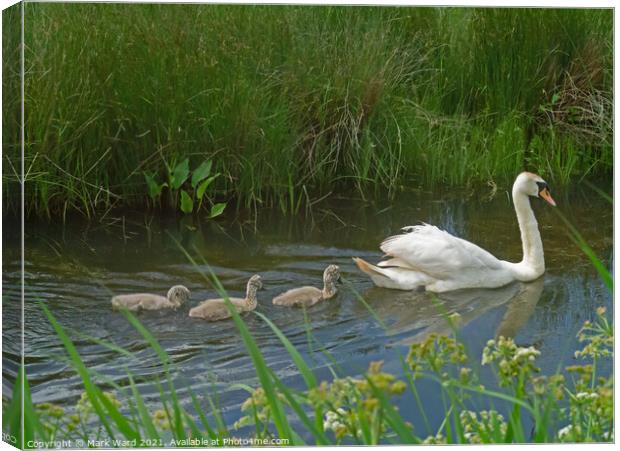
(435, 252)
(395, 262)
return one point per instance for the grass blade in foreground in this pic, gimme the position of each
(318, 434)
(306, 372)
(262, 371)
(177, 424)
(13, 415)
(147, 423)
(95, 396)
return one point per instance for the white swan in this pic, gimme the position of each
(429, 258)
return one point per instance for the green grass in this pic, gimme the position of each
(293, 103)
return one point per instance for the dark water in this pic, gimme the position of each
(75, 268)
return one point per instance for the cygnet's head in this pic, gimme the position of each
(178, 294)
(533, 185)
(255, 282)
(331, 274)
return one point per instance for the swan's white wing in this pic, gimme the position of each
(427, 249)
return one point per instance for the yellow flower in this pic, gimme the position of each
(398, 387)
(340, 432)
(370, 403)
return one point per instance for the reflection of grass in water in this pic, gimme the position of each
(576, 237)
(353, 409)
(292, 103)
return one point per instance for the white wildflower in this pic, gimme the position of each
(581, 396)
(434, 440)
(529, 353)
(455, 317)
(332, 419)
(487, 357)
(568, 432)
(467, 413)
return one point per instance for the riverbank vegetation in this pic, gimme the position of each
(295, 103)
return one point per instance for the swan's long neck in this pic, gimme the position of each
(533, 255)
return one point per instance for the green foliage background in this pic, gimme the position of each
(294, 102)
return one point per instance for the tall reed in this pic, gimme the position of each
(294, 102)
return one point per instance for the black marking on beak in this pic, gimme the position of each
(544, 193)
(542, 186)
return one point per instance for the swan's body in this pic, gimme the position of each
(432, 259)
(176, 296)
(216, 309)
(308, 296)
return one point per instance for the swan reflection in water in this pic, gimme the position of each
(422, 314)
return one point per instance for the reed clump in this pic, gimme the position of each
(292, 103)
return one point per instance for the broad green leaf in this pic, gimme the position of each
(201, 172)
(187, 204)
(217, 210)
(203, 186)
(154, 187)
(180, 174)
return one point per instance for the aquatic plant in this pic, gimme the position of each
(179, 175)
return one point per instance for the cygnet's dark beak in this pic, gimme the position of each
(339, 280)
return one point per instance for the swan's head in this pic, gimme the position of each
(331, 275)
(178, 294)
(255, 282)
(533, 185)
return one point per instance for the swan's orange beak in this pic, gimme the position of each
(545, 194)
